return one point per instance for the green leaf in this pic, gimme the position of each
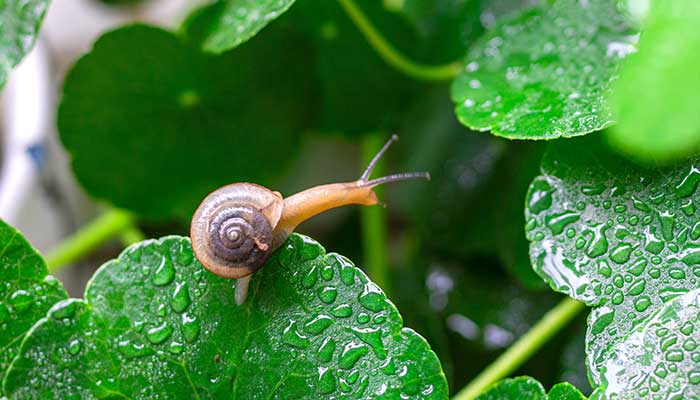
(155, 323)
(660, 356)
(545, 73)
(20, 21)
(236, 21)
(359, 91)
(525, 387)
(617, 237)
(655, 100)
(26, 292)
(153, 125)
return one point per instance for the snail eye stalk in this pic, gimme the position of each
(365, 181)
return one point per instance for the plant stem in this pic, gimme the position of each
(108, 225)
(373, 221)
(391, 55)
(552, 322)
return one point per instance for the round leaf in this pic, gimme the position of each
(26, 292)
(153, 125)
(615, 236)
(545, 73)
(155, 323)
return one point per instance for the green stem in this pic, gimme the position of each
(108, 225)
(391, 55)
(551, 323)
(373, 221)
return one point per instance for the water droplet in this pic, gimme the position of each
(293, 337)
(372, 298)
(326, 381)
(638, 267)
(318, 325)
(593, 190)
(621, 253)
(310, 277)
(176, 347)
(159, 334)
(637, 287)
(164, 273)
(74, 347)
(326, 350)
(373, 337)
(342, 311)
(557, 222)
(181, 297)
(676, 273)
(327, 272)
(190, 327)
(674, 355)
(689, 183)
(328, 294)
(668, 223)
(642, 303)
(352, 352)
(363, 318)
(540, 196)
(687, 328)
(20, 301)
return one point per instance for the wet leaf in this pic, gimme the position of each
(524, 387)
(26, 292)
(656, 97)
(658, 358)
(155, 323)
(620, 238)
(20, 21)
(236, 21)
(544, 73)
(143, 103)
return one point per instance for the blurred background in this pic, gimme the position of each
(457, 259)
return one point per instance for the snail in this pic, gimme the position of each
(237, 227)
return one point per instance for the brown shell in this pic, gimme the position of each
(232, 229)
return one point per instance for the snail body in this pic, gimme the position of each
(237, 227)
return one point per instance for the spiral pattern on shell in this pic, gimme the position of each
(240, 235)
(232, 230)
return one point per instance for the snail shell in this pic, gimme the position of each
(232, 229)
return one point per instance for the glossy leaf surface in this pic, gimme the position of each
(525, 387)
(544, 73)
(656, 97)
(622, 239)
(26, 292)
(143, 103)
(156, 324)
(239, 20)
(659, 358)
(20, 21)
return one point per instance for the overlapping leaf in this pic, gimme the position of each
(546, 72)
(525, 387)
(143, 103)
(235, 21)
(622, 239)
(26, 292)
(655, 100)
(156, 324)
(659, 358)
(20, 21)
